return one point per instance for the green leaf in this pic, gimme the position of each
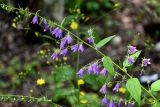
(157, 104)
(104, 41)
(107, 63)
(48, 37)
(135, 56)
(68, 19)
(134, 87)
(155, 86)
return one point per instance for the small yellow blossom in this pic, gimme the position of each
(65, 58)
(80, 82)
(41, 52)
(122, 90)
(31, 91)
(13, 25)
(74, 25)
(78, 11)
(82, 93)
(83, 101)
(40, 81)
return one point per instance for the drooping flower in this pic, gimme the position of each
(90, 69)
(119, 102)
(46, 26)
(64, 52)
(54, 55)
(95, 68)
(62, 44)
(103, 71)
(57, 32)
(132, 49)
(68, 39)
(81, 49)
(91, 39)
(81, 72)
(35, 20)
(103, 89)
(131, 104)
(146, 61)
(116, 87)
(104, 101)
(111, 103)
(130, 60)
(74, 48)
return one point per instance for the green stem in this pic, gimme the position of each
(102, 54)
(27, 99)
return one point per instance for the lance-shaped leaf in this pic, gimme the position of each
(155, 86)
(134, 87)
(104, 41)
(107, 63)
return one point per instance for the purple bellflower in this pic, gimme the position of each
(46, 26)
(74, 48)
(119, 103)
(132, 49)
(90, 39)
(57, 32)
(64, 52)
(146, 62)
(111, 103)
(130, 60)
(95, 68)
(104, 101)
(90, 69)
(103, 71)
(81, 72)
(68, 39)
(81, 49)
(54, 55)
(62, 44)
(103, 89)
(35, 20)
(116, 87)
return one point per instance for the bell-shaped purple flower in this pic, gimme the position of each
(81, 48)
(111, 103)
(54, 55)
(119, 103)
(74, 48)
(64, 52)
(104, 101)
(46, 26)
(62, 44)
(131, 104)
(132, 49)
(95, 68)
(103, 71)
(103, 89)
(81, 72)
(90, 69)
(130, 60)
(68, 39)
(146, 62)
(90, 39)
(57, 32)
(35, 20)
(116, 87)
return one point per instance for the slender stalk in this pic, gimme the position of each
(102, 54)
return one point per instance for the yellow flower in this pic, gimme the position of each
(41, 52)
(65, 58)
(82, 93)
(74, 25)
(31, 91)
(83, 101)
(122, 90)
(40, 81)
(80, 82)
(13, 25)
(78, 11)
